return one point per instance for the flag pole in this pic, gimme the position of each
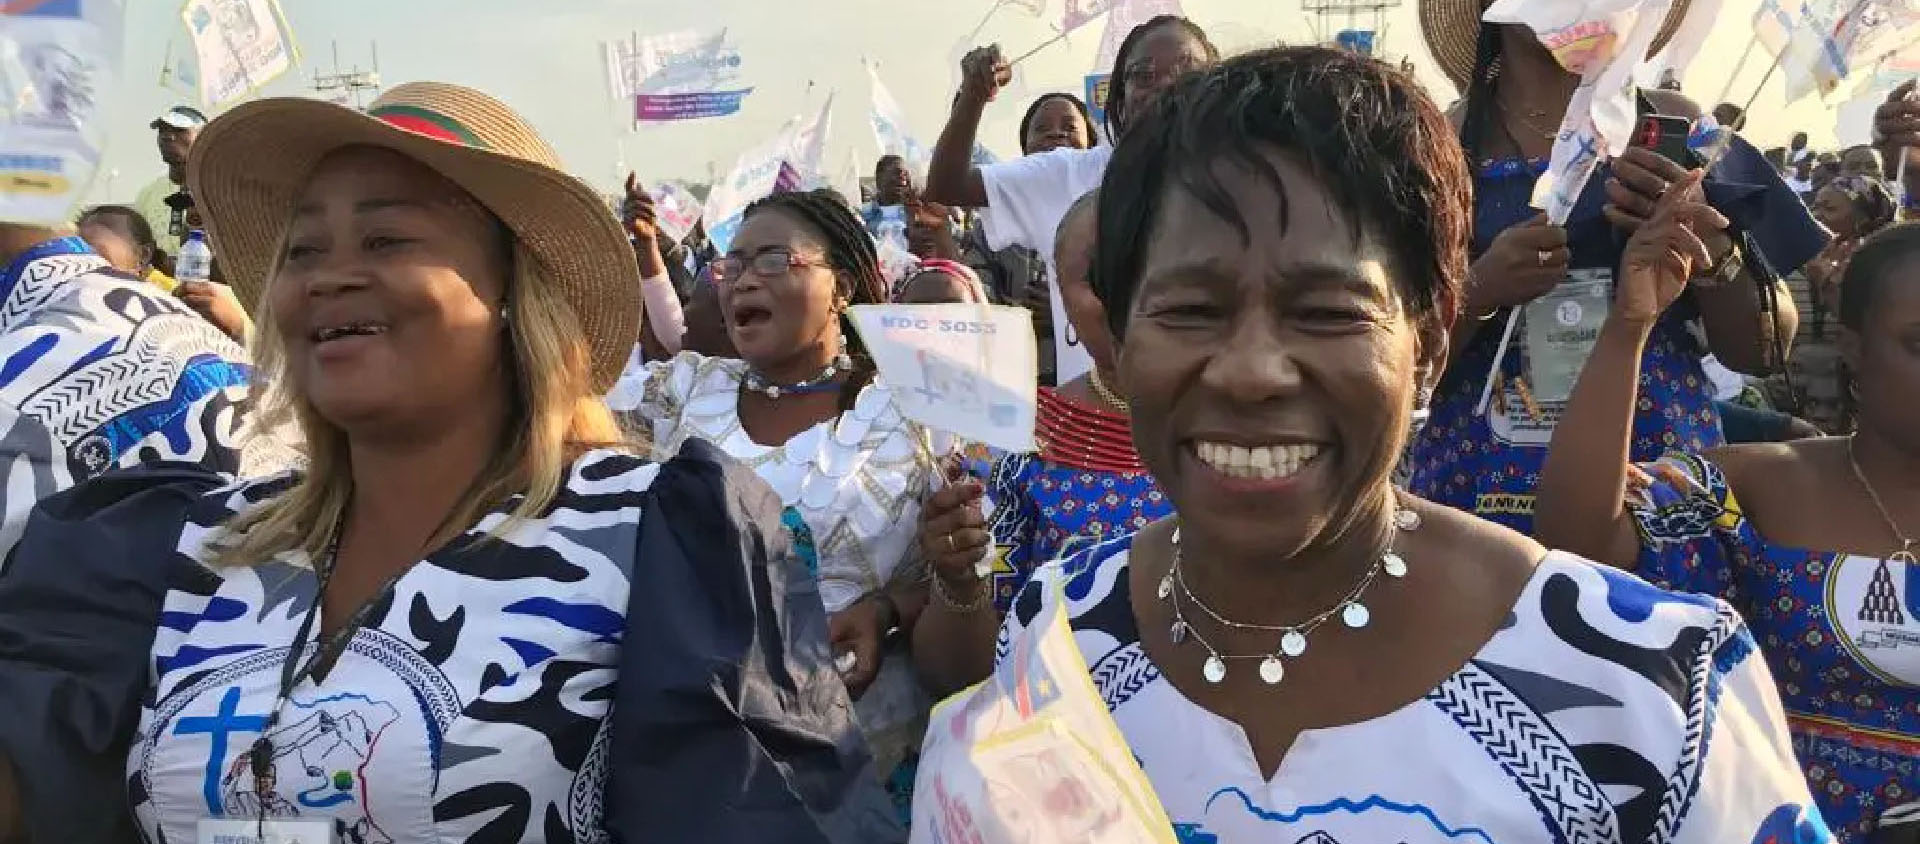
(1737, 67)
(1771, 70)
(991, 11)
(1042, 46)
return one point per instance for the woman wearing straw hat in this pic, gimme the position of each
(1483, 451)
(417, 637)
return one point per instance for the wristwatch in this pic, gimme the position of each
(1724, 272)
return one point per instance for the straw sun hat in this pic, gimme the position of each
(1452, 30)
(248, 167)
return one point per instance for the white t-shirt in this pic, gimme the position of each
(1026, 198)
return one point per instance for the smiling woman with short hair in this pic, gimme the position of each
(1302, 652)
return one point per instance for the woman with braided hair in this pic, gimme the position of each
(800, 405)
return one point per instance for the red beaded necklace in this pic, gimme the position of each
(1083, 436)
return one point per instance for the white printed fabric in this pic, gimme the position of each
(472, 706)
(1605, 711)
(99, 369)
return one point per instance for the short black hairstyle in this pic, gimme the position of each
(137, 224)
(881, 163)
(1116, 117)
(1033, 110)
(1383, 150)
(1869, 270)
(850, 253)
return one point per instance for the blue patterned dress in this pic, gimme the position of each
(100, 370)
(1086, 484)
(1490, 464)
(1841, 632)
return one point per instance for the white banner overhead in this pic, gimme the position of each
(675, 63)
(890, 128)
(241, 45)
(56, 60)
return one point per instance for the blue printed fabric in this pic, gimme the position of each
(1490, 464)
(1604, 710)
(1841, 632)
(100, 369)
(1043, 510)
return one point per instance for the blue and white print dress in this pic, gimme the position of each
(645, 659)
(1605, 710)
(100, 370)
(471, 706)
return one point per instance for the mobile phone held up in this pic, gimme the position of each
(1667, 135)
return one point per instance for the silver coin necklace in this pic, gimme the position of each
(1351, 609)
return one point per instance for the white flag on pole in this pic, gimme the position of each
(674, 63)
(798, 148)
(1603, 42)
(965, 369)
(240, 44)
(890, 129)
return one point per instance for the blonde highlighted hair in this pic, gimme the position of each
(555, 416)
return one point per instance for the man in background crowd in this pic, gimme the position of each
(1731, 116)
(175, 132)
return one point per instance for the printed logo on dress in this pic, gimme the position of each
(1875, 606)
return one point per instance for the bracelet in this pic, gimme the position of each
(946, 601)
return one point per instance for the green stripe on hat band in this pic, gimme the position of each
(427, 122)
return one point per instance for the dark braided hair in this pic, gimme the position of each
(1869, 271)
(1117, 81)
(1026, 122)
(851, 256)
(1479, 95)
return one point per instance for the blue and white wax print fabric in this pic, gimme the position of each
(473, 702)
(99, 369)
(1604, 711)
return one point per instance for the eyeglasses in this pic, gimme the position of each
(1145, 75)
(766, 264)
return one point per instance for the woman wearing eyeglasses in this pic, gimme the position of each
(800, 406)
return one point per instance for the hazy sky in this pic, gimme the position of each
(543, 57)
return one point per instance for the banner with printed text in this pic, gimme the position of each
(241, 45)
(674, 63)
(966, 369)
(57, 59)
(677, 76)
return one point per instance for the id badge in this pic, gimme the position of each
(212, 831)
(1561, 328)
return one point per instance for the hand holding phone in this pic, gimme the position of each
(1665, 134)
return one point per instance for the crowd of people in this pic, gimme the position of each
(457, 506)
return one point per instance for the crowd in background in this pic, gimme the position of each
(441, 449)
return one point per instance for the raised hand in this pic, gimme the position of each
(1665, 252)
(1522, 264)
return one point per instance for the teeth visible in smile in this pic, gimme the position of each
(353, 330)
(1264, 463)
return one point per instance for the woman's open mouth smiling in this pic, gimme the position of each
(1256, 464)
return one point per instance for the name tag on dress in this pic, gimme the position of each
(1561, 328)
(211, 831)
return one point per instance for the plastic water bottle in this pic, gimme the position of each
(196, 259)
